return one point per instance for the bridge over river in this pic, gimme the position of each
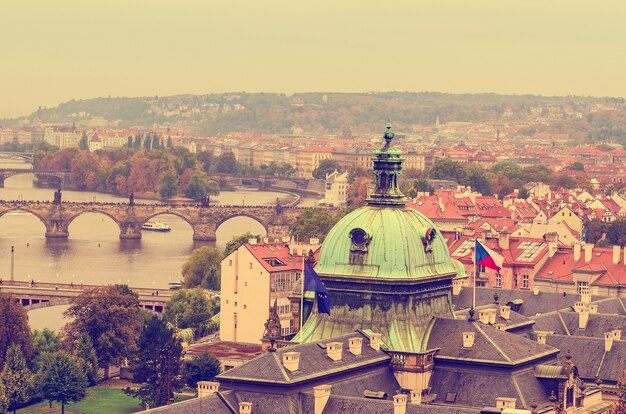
(52, 294)
(204, 220)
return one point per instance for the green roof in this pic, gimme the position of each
(396, 248)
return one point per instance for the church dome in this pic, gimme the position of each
(385, 239)
(385, 242)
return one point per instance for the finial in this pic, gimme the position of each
(471, 314)
(552, 397)
(598, 382)
(568, 356)
(495, 298)
(388, 134)
(534, 404)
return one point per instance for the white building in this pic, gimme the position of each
(253, 277)
(336, 189)
(62, 137)
(95, 143)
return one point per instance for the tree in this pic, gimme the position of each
(238, 241)
(207, 161)
(147, 142)
(3, 399)
(616, 233)
(110, 315)
(476, 177)
(357, 191)
(155, 141)
(169, 142)
(594, 229)
(200, 185)
(157, 364)
(446, 169)
(137, 143)
(327, 166)
(314, 222)
(356, 171)
(169, 185)
(227, 164)
(129, 144)
(85, 352)
(83, 143)
(62, 380)
(45, 341)
(576, 166)
(14, 328)
(204, 367)
(203, 268)
(507, 169)
(523, 193)
(16, 378)
(189, 308)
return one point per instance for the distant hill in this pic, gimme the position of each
(324, 113)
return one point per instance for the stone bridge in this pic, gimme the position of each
(27, 156)
(59, 176)
(204, 221)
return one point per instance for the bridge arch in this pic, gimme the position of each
(26, 210)
(171, 213)
(94, 210)
(224, 219)
(103, 230)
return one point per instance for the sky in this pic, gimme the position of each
(54, 51)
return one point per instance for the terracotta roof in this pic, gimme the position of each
(275, 257)
(562, 266)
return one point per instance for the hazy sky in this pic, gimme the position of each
(53, 51)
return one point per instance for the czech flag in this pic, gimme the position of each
(487, 257)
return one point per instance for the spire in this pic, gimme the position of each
(387, 171)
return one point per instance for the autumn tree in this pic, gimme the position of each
(84, 171)
(156, 367)
(3, 399)
(14, 328)
(203, 367)
(357, 192)
(110, 315)
(203, 268)
(16, 378)
(63, 380)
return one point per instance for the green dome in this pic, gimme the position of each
(385, 243)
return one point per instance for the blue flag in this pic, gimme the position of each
(313, 283)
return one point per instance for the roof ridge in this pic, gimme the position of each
(564, 324)
(225, 401)
(280, 366)
(519, 391)
(492, 343)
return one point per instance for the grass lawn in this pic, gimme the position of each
(99, 400)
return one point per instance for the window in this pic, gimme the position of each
(245, 284)
(582, 287)
(515, 281)
(230, 262)
(235, 303)
(481, 269)
(498, 280)
(245, 306)
(525, 281)
(250, 265)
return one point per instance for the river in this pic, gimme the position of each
(93, 253)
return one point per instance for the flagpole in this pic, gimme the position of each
(471, 311)
(302, 296)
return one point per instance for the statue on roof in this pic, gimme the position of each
(272, 325)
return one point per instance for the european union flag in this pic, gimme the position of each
(313, 283)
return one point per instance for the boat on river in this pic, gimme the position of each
(155, 226)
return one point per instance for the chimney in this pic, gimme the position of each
(245, 408)
(501, 326)
(492, 316)
(577, 252)
(505, 312)
(608, 341)
(483, 316)
(321, 394)
(616, 254)
(399, 403)
(375, 341)
(541, 337)
(468, 339)
(355, 345)
(583, 318)
(588, 252)
(504, 403)
(252, 240)
(207, 388)
(440, 202)
(334, 350)
(585, 297)
(266, 239)
(552, 248)
(593, 308)
(536, 291)
(503, 239)
(416, 397)
(291, 361)
(617, 334)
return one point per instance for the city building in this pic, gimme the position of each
(335, 192)
(400, 337)
(95, 143)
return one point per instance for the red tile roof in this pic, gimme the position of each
(265, 253)
(562, 266)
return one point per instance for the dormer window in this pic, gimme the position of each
(360, 240)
